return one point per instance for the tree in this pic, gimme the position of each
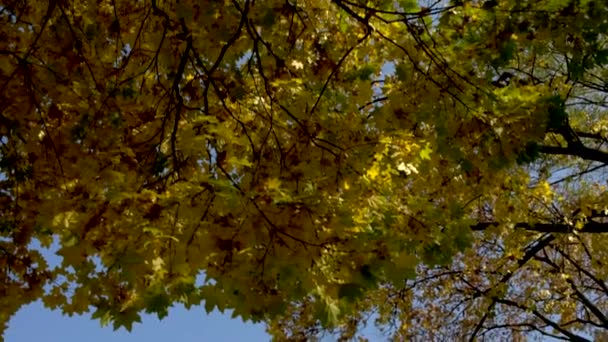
(268, 146)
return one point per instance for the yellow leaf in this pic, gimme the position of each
(273, 184)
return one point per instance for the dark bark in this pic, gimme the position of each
(588, 227)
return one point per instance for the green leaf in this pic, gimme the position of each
(350, 291)
(327, 311)
(467, 165)
(126, 319)
(210, 294)
(506, 53)
(601, 56)
(401, 72)
(409, 5)
(436, 255)
(530, 153)
(103, 315)
(367, 274)
(366, 72)
(459, 235)
(425, 153)
(556, 110)
(158, 303)
(488, 5)
(269, 18)
(160, 164)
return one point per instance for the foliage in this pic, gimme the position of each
(270, 147)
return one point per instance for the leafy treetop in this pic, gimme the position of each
(270, 146)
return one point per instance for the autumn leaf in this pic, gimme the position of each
(436, 166)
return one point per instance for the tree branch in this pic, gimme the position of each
(580, 151)
(530, 252)
(570, 335)
(588, 227)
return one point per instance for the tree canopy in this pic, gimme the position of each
(437, 166)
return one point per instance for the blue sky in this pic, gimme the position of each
(36, 323)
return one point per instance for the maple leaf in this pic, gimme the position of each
(273, 184)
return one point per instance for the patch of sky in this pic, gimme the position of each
(243, 59)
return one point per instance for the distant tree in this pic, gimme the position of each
(438, 167)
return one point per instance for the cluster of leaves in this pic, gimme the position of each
(270, 146)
